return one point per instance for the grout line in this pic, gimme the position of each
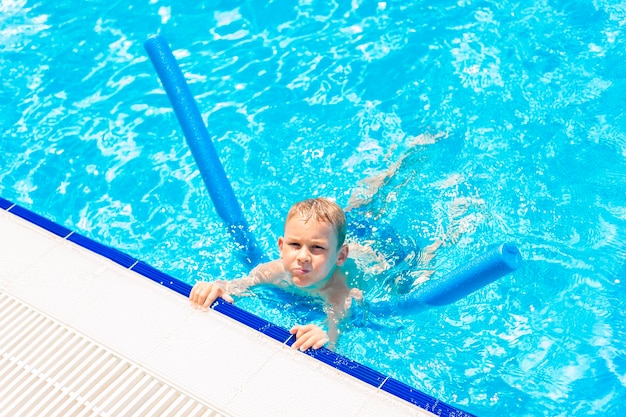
(291, 336)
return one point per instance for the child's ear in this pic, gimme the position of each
(342, 257)
(281, 241)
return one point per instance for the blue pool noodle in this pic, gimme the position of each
(455, 285)
(202, 148)
(480, 271)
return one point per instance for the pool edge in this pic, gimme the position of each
(338, 362)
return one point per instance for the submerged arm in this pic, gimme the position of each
(313, 336)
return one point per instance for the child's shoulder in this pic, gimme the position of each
(272, 272)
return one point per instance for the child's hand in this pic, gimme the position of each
(308, 336)
(203, 294)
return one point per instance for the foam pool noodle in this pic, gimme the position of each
(462, 281)
(202, 148)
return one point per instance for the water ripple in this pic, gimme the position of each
(481, 123)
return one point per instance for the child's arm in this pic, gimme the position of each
(312, 336)
(203, 294)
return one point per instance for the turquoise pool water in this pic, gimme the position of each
(504, 121)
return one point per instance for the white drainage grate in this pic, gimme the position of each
(48, 369)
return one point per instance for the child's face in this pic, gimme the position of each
(309, 252)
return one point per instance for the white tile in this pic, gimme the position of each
(385, 404)
(21, 244)
(63, 281)
(213, 356)
(131, 314)
(293, 383)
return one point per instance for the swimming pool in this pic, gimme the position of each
(525, 103)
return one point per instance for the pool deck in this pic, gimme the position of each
(135, 347)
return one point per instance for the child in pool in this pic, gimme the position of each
(312, 252)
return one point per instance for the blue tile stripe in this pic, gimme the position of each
(421, 400)
(113, 254)
(40, 221)
(162, 278)
(362, 372)
(5, 204)
(324, 355)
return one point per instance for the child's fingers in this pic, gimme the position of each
(312, 341)
(196, 293)
(309, 336)
(320, 343)
(199, 294)
(208, 300)
(302, 343)
(213, 294)
(299, 330)
(295, 330)
(203, 294)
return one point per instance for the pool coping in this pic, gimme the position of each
(355, 369)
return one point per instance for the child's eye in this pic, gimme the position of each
(318, 247)
(294, 245)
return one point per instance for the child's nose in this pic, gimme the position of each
(304, 254)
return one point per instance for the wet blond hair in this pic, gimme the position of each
(321, 210)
